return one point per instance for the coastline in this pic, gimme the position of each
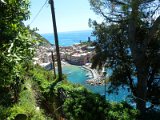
(79, 55)
(96, 78)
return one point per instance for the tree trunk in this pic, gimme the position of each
(138, 54)
(142, 76)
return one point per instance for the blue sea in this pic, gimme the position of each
(74, 73)
(70, 38)
(77, 75)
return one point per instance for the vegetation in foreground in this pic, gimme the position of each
(30, 92)
(42, 98)
(128, 43)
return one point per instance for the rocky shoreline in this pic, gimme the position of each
(96, 79)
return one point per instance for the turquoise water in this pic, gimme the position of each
(74, 73)
(77, 75)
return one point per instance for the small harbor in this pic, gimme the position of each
(76, 65)
(94, 78)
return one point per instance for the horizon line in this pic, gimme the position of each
(67, 31)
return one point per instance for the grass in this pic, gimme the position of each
(27, 106)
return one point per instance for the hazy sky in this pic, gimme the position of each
(71, 15)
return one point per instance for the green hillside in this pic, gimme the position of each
(41, 39)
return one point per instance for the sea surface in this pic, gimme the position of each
(70, 38)
(76, 74)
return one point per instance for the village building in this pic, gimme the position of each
(77, 54)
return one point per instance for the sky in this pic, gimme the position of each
(71, 15)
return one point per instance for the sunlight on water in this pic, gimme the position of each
(77, 75)
(70, 38)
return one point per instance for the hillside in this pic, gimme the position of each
(44, 42)
(41, 39)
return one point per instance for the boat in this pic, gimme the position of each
(87, 74)
(90, 76)
(69, 73)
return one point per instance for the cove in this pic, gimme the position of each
(77, 75)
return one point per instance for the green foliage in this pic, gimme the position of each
(27, 104)
(38, 37)
(15, 53)
(76, 101)
(17, 49)
(42, 77)
(12, 13)
(80, 104)
(127, 42)
(43, 82)
(83, 105)
(3, 112)
(16, 43)
(121, 111)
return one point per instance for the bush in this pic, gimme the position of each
(80, 104)
(27, 106)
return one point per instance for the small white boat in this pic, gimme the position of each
(87, 75)
(90, 76)
(69, 73)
